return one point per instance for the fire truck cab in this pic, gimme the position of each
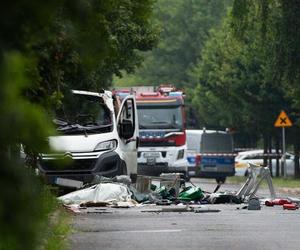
(162, 136)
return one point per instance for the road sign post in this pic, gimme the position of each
(283, 121)
(283, 152)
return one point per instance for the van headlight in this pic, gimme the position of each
(106, 145)
(180, 154)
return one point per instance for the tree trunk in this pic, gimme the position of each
(270, 155)
(265, 151)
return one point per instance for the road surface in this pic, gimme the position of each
(231, 228)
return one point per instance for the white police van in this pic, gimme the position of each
(210, 154)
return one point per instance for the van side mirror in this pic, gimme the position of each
(126, 129)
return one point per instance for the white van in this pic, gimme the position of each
(210, 154)
(97, 135)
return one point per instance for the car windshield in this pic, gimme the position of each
(168, 117)
(82, 113)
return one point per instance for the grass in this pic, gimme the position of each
(58, 230)
(277, 181)
(58, 224)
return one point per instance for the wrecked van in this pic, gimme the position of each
(97, 135)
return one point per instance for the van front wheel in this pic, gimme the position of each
(123, 169)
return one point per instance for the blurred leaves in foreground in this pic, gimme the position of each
(45, 49)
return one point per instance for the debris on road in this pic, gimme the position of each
(191, 193)
(292, 206)
(254, 204)
(223, 197)
(94, 204)
(170, 195)
(103, 192)
(287, 204)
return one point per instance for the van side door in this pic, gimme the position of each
(128, 130)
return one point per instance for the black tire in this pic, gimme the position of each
(133, 178)
(123, 169)
(221, 180)
(187, 176)
(246, 173)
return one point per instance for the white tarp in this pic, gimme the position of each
(104, 192)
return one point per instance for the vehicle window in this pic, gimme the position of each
(258, 157)
(239, 157)
(151, 117)
(216, 143)
(127, 112)
(193, 142)
(83, 110)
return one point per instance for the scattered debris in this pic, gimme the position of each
(288, 204)
(256, 175)
(292, 206)
(124, 204)
(171, 181)
(143, 184)
(94, 204)
(119, 179)
(103, 192)
(206, 210)
(254, 204)
(74, 209)
(171, 194)
(191, 193)
(280, 202)
(224, 197)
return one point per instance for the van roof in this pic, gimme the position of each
(83, 92)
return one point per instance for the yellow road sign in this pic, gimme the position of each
(283, 120)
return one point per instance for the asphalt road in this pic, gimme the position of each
(231, 228)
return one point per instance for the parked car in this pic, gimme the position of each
(257, 157)
(210, 154)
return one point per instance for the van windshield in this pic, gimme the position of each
(216, 143)
(160, 117)
(83, 113)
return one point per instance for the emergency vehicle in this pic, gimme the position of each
(162, 124)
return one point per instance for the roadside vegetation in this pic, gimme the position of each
(45, 49)
(238, 63)
(278, 182)
(237, 60)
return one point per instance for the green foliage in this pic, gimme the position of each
(57, 231)
(184, 30)
(46, 49)
(280, 28)
(22, 121)
(24, 208)
(86, 44)
(234, 89)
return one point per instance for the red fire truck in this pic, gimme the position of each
(162, 125)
